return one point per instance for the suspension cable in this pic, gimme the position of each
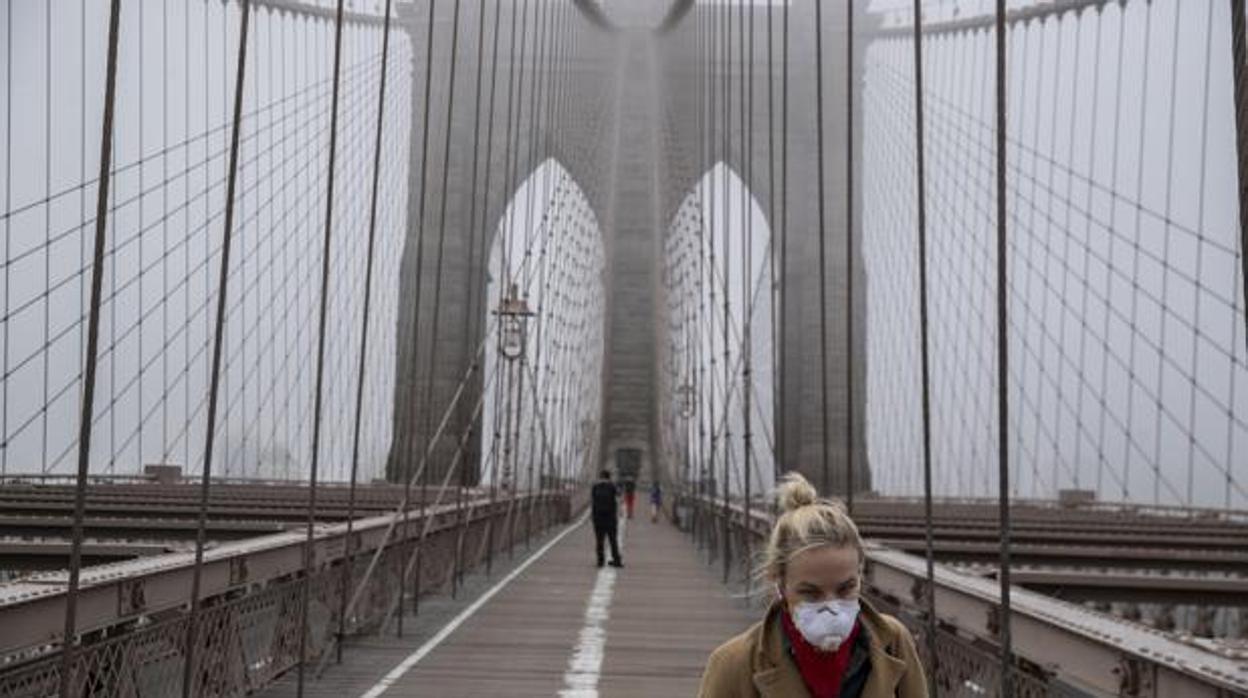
(849, 255)
(348, 546)
(318, 396)
(1239, 62)
(773, 300)
(535, 98)
(1003, 424)
(192, 639)
(469, 277)
(933, 657)
(727, 145)
(716, 89)
(825, 484)
(484, 262)
(437, 283)
(93, 337)
(746, 233)
(784, 237)
(419, 283)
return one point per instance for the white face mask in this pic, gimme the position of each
(826, 624)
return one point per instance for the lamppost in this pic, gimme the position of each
(513, 314)
(686, 396)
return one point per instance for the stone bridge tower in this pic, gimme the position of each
(626, 128)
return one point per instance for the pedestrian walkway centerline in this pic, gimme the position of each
(585, 666)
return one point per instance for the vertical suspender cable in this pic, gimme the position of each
(515, 384)
(437, 283)
(773, 297)
(423, 474)
(1239, 56)
(8, 222)
(772, 293)
(368, 297)
(542, 35)
(823, 256)
(192, 630)
(1200, 225)
(318, 396)
(470, 308)
(47, 226)
(1003, 440)
(746, 275)
(485, 209)
(933, 658)
(784, 235)
(554, 48)
(504, 455)
(709, 277)
(707, 89)
(700, 530)
(849, 256)
(93, 337)
(727, 317)
(419, 224)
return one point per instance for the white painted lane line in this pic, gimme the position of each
(406, 665)
(585, 666)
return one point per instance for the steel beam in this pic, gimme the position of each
(31, 610)
(1084, 649)
(1081, 555)
(1076, 646)
(1135, 587)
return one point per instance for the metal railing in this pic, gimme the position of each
(1060, 648)
(133, 615)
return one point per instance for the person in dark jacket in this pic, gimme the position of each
(605, 514)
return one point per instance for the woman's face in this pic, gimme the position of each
(820, 574)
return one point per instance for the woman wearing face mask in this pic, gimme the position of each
(819, 638)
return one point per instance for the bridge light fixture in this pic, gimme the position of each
(513, 312)
(686, 400)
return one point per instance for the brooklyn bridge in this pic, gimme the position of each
(321, 318)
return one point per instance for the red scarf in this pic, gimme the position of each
(821, 671)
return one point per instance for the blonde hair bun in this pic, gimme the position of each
(806, 521)
(795, 492)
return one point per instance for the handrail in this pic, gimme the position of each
(1079, 646)
(1039, 11)
(31, 608)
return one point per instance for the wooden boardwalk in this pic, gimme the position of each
(560, 627)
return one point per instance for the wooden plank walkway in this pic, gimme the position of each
(653, 622)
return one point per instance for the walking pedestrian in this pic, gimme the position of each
(819, 637)
(656, 501)
(630, 496)
(605, 513)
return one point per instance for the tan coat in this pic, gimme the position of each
(756, 663)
